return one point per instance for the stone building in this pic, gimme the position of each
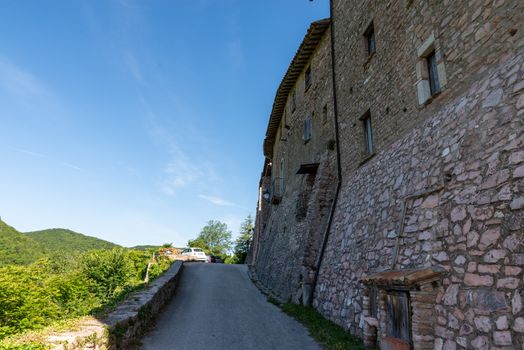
(296, 188)
(425, 246)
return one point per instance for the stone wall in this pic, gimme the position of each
(460, 177)
(290, 227)
(444, 186)
(443, 189)
(471, 37)
(123, 327)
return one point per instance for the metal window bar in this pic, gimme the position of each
(369, 134)
(434, 83)
(370, 39)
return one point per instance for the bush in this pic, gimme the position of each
(34, 296)
(108, 271)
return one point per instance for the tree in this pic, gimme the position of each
(243, 241)
(215, 238)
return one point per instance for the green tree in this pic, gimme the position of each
(243, 241)
(214, 238)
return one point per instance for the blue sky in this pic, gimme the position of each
(139, 121)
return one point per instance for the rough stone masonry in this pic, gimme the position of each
(425, 247)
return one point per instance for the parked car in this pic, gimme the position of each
(216, 259)
(195, 254)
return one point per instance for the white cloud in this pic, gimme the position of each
(46, 158)
(29, 153)
(233, 223)
(133, 66)
(217, 200)
(236, 55)
(25, 90)
(180, 172)
(19, 82)
(71, 166)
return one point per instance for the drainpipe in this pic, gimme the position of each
(339, 166)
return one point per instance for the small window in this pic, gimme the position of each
(307, 128)
(284, 128)
(307, 78)
(324, 114)
(434, 84)
(293, 101)
(430, 70)
(369, 36)
(368, 133)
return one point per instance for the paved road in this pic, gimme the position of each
(217, 307)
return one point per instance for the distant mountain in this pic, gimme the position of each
(62, 240)
(146, 247)
(18, 248)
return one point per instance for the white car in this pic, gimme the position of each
(195, 254)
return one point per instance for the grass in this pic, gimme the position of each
(327, 333)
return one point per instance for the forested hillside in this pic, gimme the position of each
(62, 240)
(17, 248)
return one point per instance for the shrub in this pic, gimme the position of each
(62, 287)
(108, 271)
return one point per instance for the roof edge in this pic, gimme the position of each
(314, 35)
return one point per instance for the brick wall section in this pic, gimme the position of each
(290, 237)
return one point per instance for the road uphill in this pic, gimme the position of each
(217, 307)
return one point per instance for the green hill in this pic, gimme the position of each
(62, 240)
(17, 248)
(146, 247)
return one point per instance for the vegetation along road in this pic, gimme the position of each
(217, 307)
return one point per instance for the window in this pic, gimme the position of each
(369, 36)
(368, 132)
(431, 73)
(324, 114)
(293, 101)
(434, 84)
(307, 128)
(284, 127)
(307, 78)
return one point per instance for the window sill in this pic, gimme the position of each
(368, 157)
(431, 99)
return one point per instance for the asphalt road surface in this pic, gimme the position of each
(217, 307)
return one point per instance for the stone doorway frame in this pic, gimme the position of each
(421, 284)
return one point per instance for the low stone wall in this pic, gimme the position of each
(122, 327)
